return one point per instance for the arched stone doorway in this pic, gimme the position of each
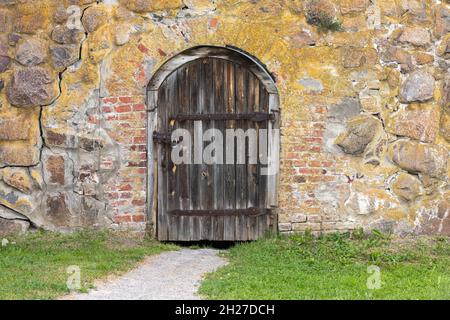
(215, 96)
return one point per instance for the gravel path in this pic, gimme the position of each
(169, 275)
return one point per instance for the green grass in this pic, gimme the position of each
(36, 266)
(325, 23)
(333, 267)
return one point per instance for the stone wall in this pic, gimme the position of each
(364, 88)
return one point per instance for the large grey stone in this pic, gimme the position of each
(16, 200)
(422, 158)
(420, 124)
(31, 52)
(64, 35)
(406, 186)
(64, 55)
(32, 87)
(9, 214)
(4, 63)
(13, 226)
(415, 36)
(348, 107)
(418, 86)
(14, 127)
(5, 20)
(93, 18)
(360, 132)
(18, 178)
(19, 154)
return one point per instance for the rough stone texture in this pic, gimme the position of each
(442, 20)
(406, 186)
(421, 158)
(4, 63)
(433, 218)
(353, 6)
(32, 87)
(354, 58)
(17, 201)
(365, 200)
(315, 10)
(63, 35)
(418, 86)
(18, 178)
(19, 154)
(93, 18)
(86, 148)
(5, 60)
(31, 52)
(421, 124)
(5, 20)
(415, 36)
(15, 127)
(152, 5)
(13, 226)
(445, 126)
(64, 55)
(360, 132)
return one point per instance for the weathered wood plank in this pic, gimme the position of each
(241, 169)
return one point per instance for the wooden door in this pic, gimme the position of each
(211, 201)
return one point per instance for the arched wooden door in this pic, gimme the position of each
(223, 199)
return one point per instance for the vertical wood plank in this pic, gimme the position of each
(229, 174)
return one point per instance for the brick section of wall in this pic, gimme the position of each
(125, 120)
(305, 167)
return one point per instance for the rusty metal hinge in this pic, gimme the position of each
(162, 137)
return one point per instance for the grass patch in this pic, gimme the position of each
(325, 23)
(333, 267)
(35, 267)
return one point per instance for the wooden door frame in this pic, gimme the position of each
(227, 53)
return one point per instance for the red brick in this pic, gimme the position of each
(327, 163)
(314, 164)
(143, 48)
(213, 22)
(315, 149)
(126, 116)
(126, 99)
(138, 218)
(109, 100)
(138, 202)
(125, 187)
(143, 156)
(107, 109)
(313, 140)
(122, 218)
(141, 164)
(309, 171)
(126, 195)
(161, 52)
(139, 107)
(139, 147)
(139, 140)
(113, 195)
(125, 108)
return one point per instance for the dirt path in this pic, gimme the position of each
(170, 275)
